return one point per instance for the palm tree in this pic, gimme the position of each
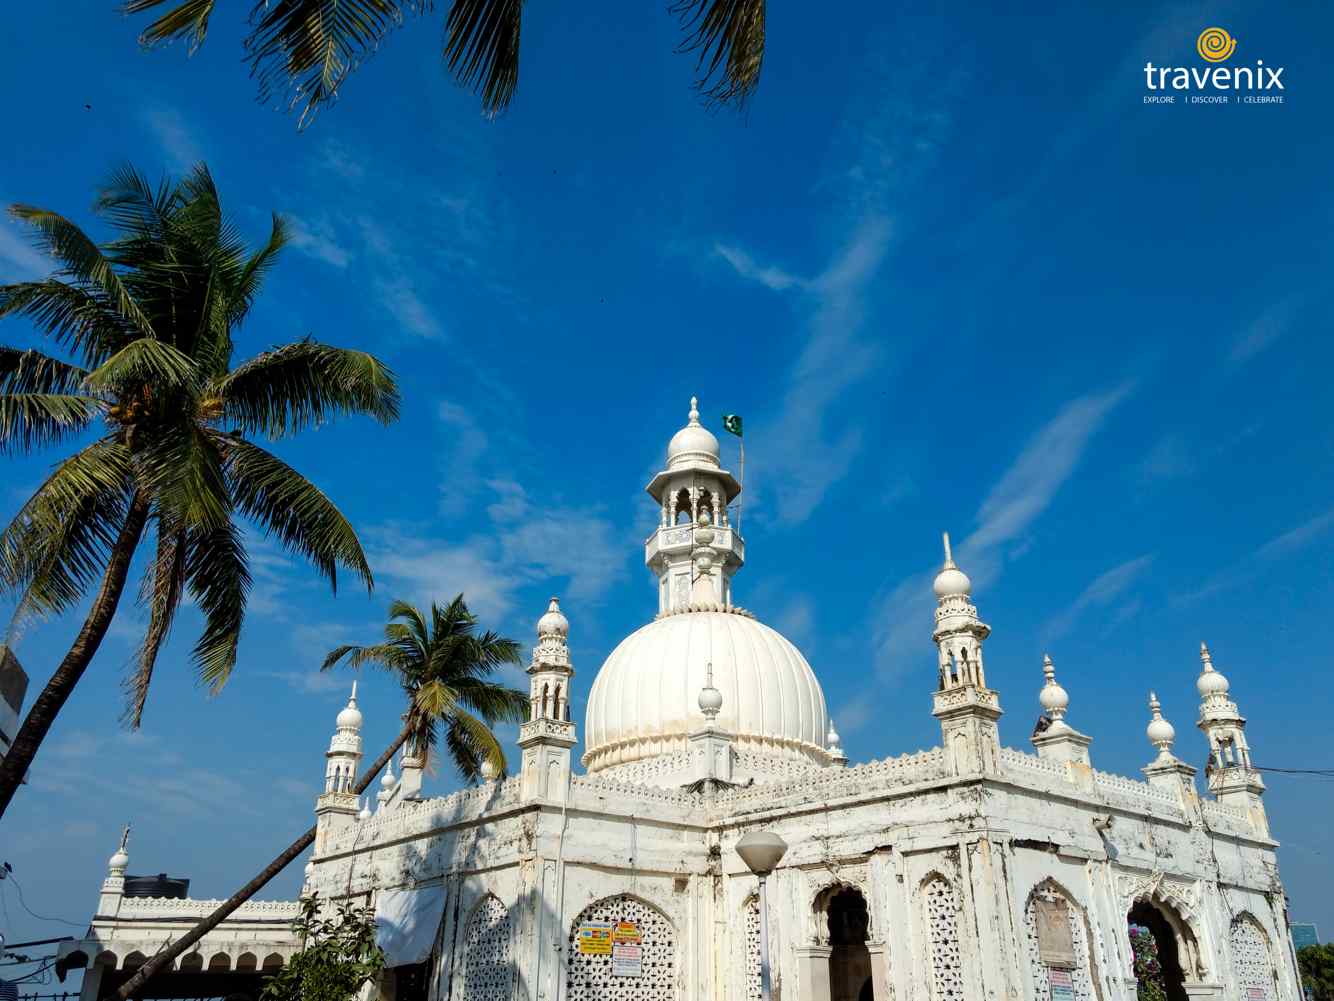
(150, 317)
(444, 667)
(309, 47)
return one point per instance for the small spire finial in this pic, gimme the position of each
(949, 556)
(710, 699)
(1048, 670)
(694, 410)
(125, 838)
(1160, 732)
(1205, 659)
(353, 700)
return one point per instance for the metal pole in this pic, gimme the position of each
(764, 943)
(739, 499)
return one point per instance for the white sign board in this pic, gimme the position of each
(1062, 985)
(627, 959)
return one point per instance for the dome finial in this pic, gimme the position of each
(834, 745)
(1053, 698)
(1210, 682)
(949, 556)
(553, 622)
(350, 716)
(121, 858)
(694, 411)
(1160, 732)
(951, 581)
(710, 699)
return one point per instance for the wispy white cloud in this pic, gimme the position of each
(767, 275)
(317, 238)
(179, 143)
(1283, 545)
(467, 444)
(399, 296)
(19, 260)
(1104, 590)
(339, 159)
(901, 621)
(1264, 331)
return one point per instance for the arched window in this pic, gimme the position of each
(940, 906)
(589, 976)
(1251, 959)
(488, 965)
(1058, 942)
(1173, 940)
(544, 701)
(683, 513)
(706, 506)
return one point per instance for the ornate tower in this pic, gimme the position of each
(966, 708)
(1231, 777)
(1059, 741)
(549, 734)
(336, 807)
(113, 887)
(1167, 770)
(695, 551)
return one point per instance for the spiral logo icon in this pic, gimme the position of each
(1215, 44)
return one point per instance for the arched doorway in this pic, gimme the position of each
(849, 959)
(1171, 964)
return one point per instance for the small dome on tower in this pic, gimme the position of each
(365, 812)
(490, 770)
(350, 717)
(1053, 698)
(121, 858)
(1160, 732)
(693, 443)
(1210, 682)
(387, 780)
(553, 621)
(710, 699)
(951, 580)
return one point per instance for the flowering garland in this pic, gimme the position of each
(1149, 984)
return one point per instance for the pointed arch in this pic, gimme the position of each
(1156, 906)
(488, 965)
(219, 962)
(589, 977)
(1252, 956)
(1055, 924)
(940, 919)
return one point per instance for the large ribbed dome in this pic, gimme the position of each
(645, 700)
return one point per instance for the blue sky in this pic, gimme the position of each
(950, 268)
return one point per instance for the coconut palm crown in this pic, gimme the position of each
(148, 320)
(444, 664)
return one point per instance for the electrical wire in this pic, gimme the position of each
(1327, 773)
(24, 904)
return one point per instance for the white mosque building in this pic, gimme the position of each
(967, 871)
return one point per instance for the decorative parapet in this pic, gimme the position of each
(167, 907)
(411, 817)
(1107, 782)
(1018, 761)
(866, 779)
(583, 786)
(1226, 816)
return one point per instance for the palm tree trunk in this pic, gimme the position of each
(58, 690)
(168, 956)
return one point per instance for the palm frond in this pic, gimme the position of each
(729, 37)
(81, 259)
(188, 20)
(471, 742)
(492, 702)
(291, 507)
(183, 467)
(32, 371)
(165, 578)
(34, 420)
(308, 47)
(83, 319)
(385, 655)
(143, 362)
(134, 206)
(57, 543)
(253, 272)
(218, 575)
(482, 49)
(290, 388)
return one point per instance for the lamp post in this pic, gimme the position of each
(762, 851)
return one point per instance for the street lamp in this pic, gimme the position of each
(762, 851)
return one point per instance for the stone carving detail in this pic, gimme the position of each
(1250, 956)
(1080, 974)
(940, 902)
(488, 966)
(590, 978)
(753, 949)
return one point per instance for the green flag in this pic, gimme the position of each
(732, 422)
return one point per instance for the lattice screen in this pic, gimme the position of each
(941, 904)
(1250, 957)
(488, 965)
(753, 949)
(1083, 981)
(590, 977)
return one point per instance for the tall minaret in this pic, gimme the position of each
(549, 734)
(966, 708)
(336, 807)
(1232, 778)
(694, 552)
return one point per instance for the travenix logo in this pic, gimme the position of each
(1214, 83)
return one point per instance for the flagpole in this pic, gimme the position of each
(742, 494)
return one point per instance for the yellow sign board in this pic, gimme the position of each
(626, 931)
(595, 938)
